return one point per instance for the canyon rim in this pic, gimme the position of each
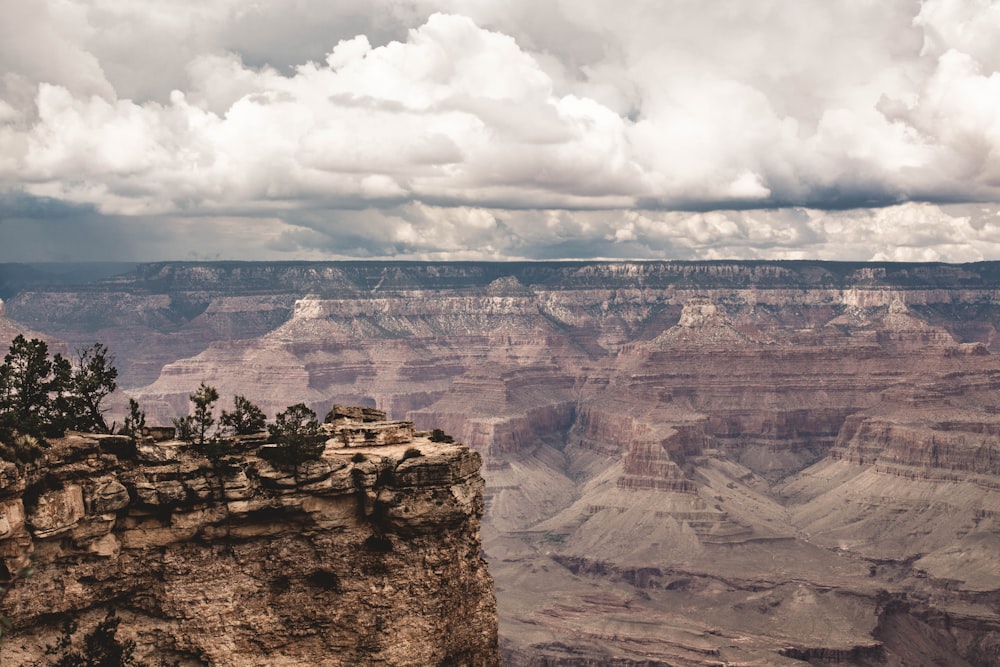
(686, 463)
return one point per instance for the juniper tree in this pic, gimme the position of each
(94, 379)
(135, 421)
(43, 397)
(296, 435)
(245, 419)
(27, 379)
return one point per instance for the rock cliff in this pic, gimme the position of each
(368, 556)
(752, 463)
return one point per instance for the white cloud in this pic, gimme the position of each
(456, 113)
(449, 128)
(968, 26)
(45, 42)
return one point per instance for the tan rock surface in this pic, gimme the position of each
(241, 564)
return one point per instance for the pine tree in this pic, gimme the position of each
(194, 428)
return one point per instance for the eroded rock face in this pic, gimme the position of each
(56, 511)
(365, 557)
(686, 463)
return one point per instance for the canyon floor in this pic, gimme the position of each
(719, 463)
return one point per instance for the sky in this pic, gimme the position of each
(499, 129)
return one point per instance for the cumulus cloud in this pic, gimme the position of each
(440, 128)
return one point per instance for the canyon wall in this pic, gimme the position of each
(368, 556)
(686, 463)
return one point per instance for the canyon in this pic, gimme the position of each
(685, 463)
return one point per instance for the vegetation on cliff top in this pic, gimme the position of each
(295, 435)
(43, 397)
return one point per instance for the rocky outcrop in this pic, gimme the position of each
(370, 555)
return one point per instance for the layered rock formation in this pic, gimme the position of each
(686, 463)
(9, 330)
(370, 555)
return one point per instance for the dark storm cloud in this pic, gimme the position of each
(15, 205)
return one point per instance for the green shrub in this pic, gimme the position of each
(437, 435)
(101, 646)
(135, 422)
(245, 419)
(217, 449)
(27, 447)
(297, 437)
(23, 448)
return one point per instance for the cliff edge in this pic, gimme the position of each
(370, 555)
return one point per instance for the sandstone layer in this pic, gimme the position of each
(751, 463)
(368, 556)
